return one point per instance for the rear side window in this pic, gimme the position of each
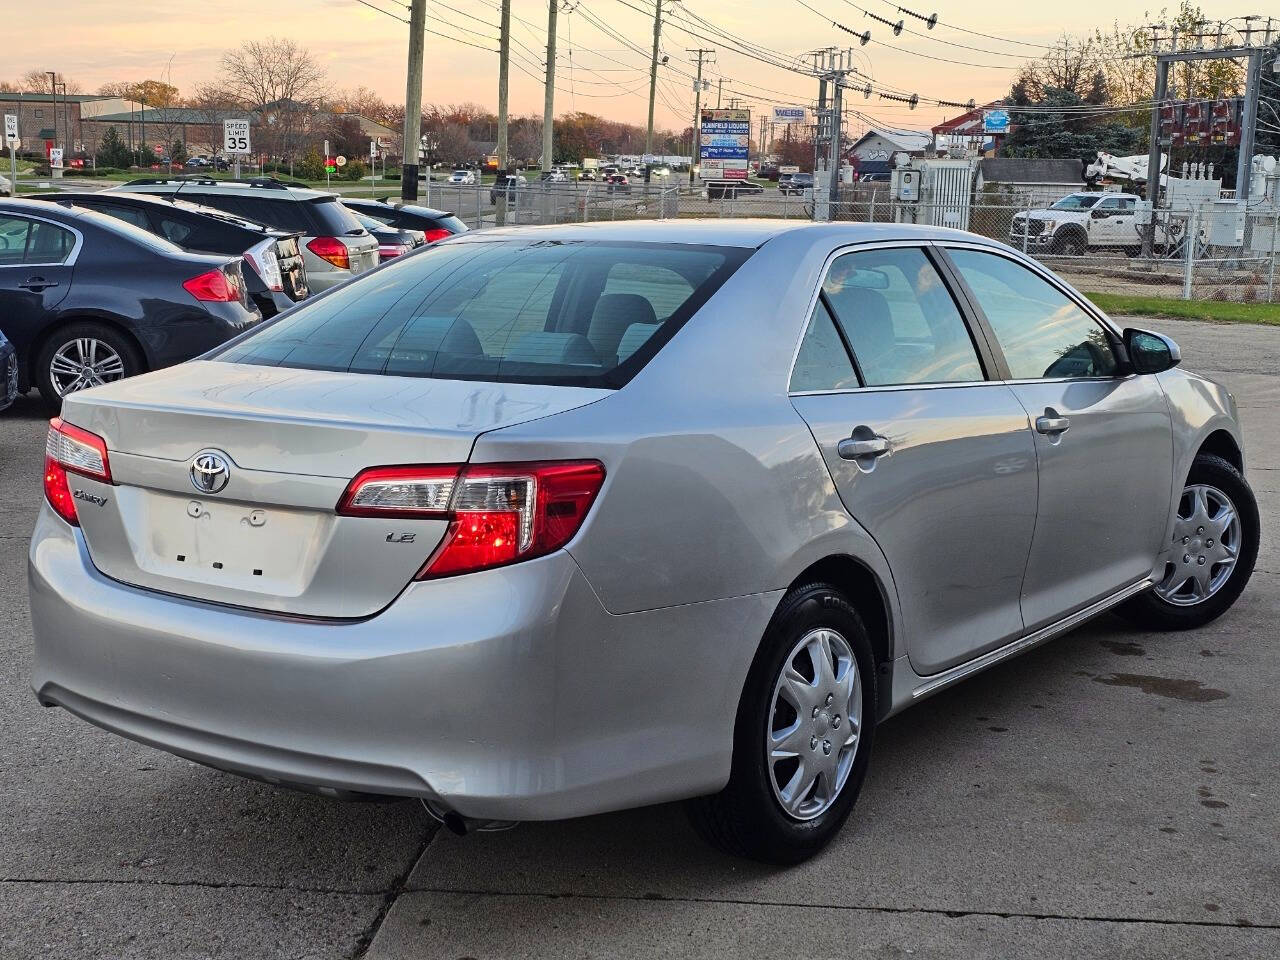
(559, 312)
(33, 241)
(128, 214)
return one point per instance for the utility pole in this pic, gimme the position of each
(549, 99)
(697, 110)
(413, 101)
(719, 91)
(653, 73)
(504, 69)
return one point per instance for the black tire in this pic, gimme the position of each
(745, 818)
(1070, 244)
(1150, 611)
(124, 347)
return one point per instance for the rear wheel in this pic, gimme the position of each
(82, 355)
(1214, 548)
(803, 737)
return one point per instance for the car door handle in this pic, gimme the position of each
(855, 448)
(1051, 424)
(37, 284)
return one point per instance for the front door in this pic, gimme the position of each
(1102, 439)
(34, 275)
(935, 461)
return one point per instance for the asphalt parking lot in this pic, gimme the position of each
(1111, 794)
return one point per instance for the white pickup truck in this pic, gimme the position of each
(1079, 223)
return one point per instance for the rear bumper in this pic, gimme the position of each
(509, 694)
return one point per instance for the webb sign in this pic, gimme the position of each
(788, 114)
(724, 144)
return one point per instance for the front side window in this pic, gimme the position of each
(1076, 201)
(900, 319)
(561, 312)
(1042, 332)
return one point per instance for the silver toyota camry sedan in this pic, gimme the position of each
(540, 523)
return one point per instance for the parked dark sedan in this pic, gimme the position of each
(392, 242)
(276, 278)
(429, 225)
(87, 299)
(8, 373)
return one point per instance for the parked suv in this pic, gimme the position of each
(795, 184)
(274, 276)
(1081, 222)
(335, 247)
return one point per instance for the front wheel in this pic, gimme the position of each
(803, 737)
(1212, 554)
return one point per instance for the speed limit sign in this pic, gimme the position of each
(235, 136)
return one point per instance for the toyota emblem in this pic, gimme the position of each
(210, 472)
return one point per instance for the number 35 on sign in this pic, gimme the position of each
(235, 136)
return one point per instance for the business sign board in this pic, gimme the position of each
(724, 143)
(789, 168)
(55, 158)
(788, 114)
(235, 136)
(995, 121)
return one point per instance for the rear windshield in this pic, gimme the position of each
(334, 218)
(510, 311)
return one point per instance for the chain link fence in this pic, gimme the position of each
(1213, 252)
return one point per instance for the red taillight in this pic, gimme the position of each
(70, 449)
(387, 251)
(332, 250)
(215, 286)
(434, 234)
(499, 513)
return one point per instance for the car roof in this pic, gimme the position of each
(262, 186)
(717, 232)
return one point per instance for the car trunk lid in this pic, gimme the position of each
(278, 447)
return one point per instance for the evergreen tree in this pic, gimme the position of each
(113, 151)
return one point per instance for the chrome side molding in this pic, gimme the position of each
(992, 657)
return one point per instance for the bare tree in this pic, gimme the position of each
(280, 80)
(37, 81)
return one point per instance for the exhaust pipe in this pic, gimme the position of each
(459, 825)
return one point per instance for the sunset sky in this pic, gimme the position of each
(94, 42)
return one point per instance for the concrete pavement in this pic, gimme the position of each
(1111, 794)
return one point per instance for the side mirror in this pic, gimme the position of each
(1098, 214)
(1150, 352)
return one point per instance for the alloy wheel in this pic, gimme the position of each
(815, 724)
(1206, 544)
(84, 362)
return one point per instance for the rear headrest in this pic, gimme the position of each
(636, 336)
(563, 348)
(614, 313)
(447, 334)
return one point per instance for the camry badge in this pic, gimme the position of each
(210, 472)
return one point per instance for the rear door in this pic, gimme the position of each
(1102, 437)
(929, 455)
(36, 261)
